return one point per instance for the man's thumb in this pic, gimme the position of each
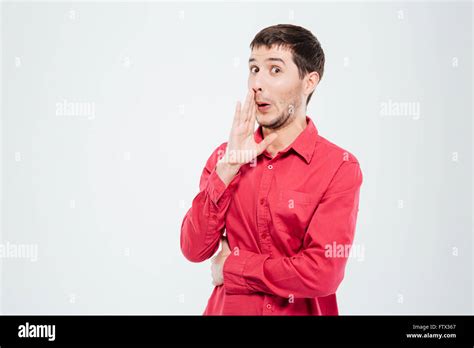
(266, 142)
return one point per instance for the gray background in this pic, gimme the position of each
(102, 196)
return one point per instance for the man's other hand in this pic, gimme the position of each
(217, 263)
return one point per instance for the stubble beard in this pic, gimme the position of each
(285, 118)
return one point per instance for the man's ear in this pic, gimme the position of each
(311, 81)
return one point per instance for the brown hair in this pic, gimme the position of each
(307, 52)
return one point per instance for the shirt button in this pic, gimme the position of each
(269, 306)
(264, 235)
(262, 201)
(270, 166)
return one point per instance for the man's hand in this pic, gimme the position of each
(241, 147)
(217, 263)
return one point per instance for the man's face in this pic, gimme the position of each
(274, 77)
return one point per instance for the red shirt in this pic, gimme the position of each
(283, 217)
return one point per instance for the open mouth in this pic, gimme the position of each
(263, 106)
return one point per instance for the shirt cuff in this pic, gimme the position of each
(217, 188)
(236, 268)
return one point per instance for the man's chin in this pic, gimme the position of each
(266, 120)
(269, 121)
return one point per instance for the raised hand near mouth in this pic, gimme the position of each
(241, 147)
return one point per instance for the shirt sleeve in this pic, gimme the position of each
(204, 223)
(313, 272)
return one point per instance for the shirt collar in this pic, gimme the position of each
(304, 143)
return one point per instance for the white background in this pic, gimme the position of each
(103, 196)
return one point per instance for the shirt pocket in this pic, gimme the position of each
(293, 212)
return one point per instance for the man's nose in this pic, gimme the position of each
(257, 91)
(256, 84)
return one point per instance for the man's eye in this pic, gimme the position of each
(252, 68)
(276, 69)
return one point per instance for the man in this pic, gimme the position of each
(284, 196)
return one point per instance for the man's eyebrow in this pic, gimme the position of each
(269, 59)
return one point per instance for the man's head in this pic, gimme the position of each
(285, 66)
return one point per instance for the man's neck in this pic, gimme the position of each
(286, 135)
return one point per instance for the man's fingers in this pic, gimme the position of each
(243, 112)
(238, 113)
(248, 104)
(225, 246)
(251, 122)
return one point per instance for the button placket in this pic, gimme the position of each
(262, 210)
